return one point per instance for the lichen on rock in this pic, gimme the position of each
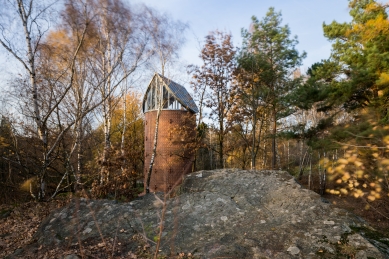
(226, 213)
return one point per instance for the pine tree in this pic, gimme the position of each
(270, 56)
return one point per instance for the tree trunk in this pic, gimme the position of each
(122, 144)
(154, 151)
(264, 158)
(288, 155)
(41, 129)
(107, 115)
(253, 154)
(310, 172)
(79, 154)
(274, 148)
(221, 140)
(302, 167)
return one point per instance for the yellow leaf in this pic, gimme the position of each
(358, 163)
(346, 176)
(359, 173)
(342, 161)
(385, 161)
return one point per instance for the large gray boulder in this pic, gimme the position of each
(227, 213)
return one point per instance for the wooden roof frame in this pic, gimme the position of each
(178, 91)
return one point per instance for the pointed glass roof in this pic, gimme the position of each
(178, 91)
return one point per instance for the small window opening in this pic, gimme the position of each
(165, 98)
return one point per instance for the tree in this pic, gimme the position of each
(126, 157)
(167, 38)
(82, 97)
(356, 75)
(218, 56)
(269, 54)
(9, 178)
(32, 23)
(249, 109)
(115, 48)
(360, 58)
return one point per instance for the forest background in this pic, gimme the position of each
(71, 118)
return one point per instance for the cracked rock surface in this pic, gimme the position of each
(227, 213)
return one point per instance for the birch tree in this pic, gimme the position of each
(121, 39)
(167, 38)
(31, 23)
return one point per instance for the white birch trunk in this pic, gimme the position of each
(122, 144)
(288, 154)
(107, 111)
(37, 118)
(79, 137)
(154, 150)
(310, 172)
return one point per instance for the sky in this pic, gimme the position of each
(304, 18)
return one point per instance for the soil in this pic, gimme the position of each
(376, 213)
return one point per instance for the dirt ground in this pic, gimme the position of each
(375, 213)
(18, 223)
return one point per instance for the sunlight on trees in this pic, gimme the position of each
(363, 169)
(79, 119)
(76, 69)
(214, 78)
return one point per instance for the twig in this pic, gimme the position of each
(375, 209)
(344, 144)
(97, 225)
(114, 242)
(164, 206)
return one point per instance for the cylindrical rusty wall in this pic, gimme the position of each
(174, 156)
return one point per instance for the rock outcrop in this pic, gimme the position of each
(217, 214)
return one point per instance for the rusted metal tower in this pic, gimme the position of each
(176, 132)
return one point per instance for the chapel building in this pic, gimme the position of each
(176, 132)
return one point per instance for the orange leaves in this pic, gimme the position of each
(376, 26)
(58, 39)
(372, 29)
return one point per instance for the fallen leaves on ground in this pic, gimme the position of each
(19, 223)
